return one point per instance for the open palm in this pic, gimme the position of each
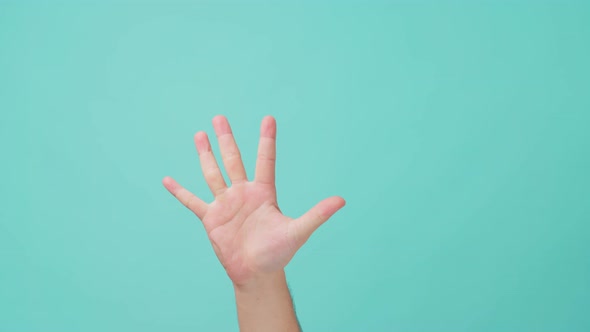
(248, 231)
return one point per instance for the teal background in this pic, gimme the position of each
(458, 134)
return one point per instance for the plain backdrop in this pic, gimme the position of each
(457, 132)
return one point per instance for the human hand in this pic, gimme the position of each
(249, 233)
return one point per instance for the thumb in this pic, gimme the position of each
(305, 225)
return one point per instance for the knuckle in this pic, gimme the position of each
(190, 203)
(319, 216)
(210, 174)
(235, 158)
(266, 157)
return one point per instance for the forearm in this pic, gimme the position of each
(266, 305)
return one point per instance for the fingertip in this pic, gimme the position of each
(268, 128)
(270, 120)
(221, 125)
(339, 202)
(168, 182)
(219, 118)
(202, 142)
(331, 205)
(200, 135)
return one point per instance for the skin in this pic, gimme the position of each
(252, 238)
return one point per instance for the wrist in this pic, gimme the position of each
(265, 304)
(262, 282)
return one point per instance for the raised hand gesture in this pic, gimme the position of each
(249, 233)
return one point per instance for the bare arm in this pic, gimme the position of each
(266, 305)
(252, 238)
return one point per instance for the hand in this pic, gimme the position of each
(248, 232)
